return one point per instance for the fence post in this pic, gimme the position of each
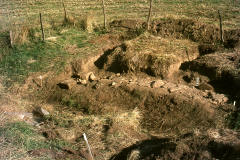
(65, 13)
(43, 34)
(221, 30)
(104, 14)
(11, 38)
(149, 15)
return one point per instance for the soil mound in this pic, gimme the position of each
(187, 28)
(194, 30)
(128, 23)
(232, 38)
(221, 68)
(155, 56)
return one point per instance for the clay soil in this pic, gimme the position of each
(154, 73)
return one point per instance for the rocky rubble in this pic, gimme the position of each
(203, 92)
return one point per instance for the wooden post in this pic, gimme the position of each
(149, 15)
(43, 34)
(65, 13)
(11, 38)
(221, 29)
(105, 21)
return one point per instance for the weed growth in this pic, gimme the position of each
(233, 120)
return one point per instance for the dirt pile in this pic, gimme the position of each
(222, 68)
(188, 28)
(194, 30)
(154, 55)
(232, 38)
(128, 23)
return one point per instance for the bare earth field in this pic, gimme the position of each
(170, 92)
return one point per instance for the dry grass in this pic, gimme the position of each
(20, 34)
(87, 22)
(163, 49)
(206, 11)
(128, 119)
(70, 21)
(134, 155)
(117, 135)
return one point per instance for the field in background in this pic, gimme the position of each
(14, 12)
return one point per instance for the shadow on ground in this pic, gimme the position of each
(187, 147)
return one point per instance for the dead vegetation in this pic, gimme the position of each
(21, 34)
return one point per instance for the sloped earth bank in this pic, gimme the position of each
(156, 75)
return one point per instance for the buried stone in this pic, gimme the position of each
(157, 84)
(204, 86)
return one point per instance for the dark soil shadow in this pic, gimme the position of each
(187, 146)
(224, 151)
(148, 148)
(100, 61)
(222, 80)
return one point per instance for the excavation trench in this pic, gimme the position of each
(153, 75)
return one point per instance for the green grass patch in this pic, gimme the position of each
(17, 62)
(21, 134)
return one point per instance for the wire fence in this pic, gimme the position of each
(15, 12)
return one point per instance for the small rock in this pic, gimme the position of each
(85, 76)
(204, 86)
(195, 97)
(41, 111)
(83, 81)
(97, 85)
(144, 84)
(169, 85)
(92, 77)
(118, 74)
(157, 84)
(68, 84)
(174, 89)
(111, 77)
(31, 61)
(225, 99)
(114, 83)
(219, 98)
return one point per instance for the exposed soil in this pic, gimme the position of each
(156, 74)
(216, 144)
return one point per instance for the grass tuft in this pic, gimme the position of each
(134, 155)
(87, 22)
(20, 35)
